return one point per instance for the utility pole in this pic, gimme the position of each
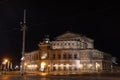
(23, 25)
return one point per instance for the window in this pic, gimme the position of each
(53, 44)
(58, 44)
(75, 69)
(69, 44)
(75, 56)
(72, 43)
(59, 56)
(64, 56)
(64, 68)
(70, 68)
(28, 57)
(70, 56)
(53, 56)
(35, 57)
(65, 43)
(54, 69)
(85, 45)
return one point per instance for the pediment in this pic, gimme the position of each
(68, 35)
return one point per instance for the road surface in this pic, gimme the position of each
(16, 76)
(33, 77)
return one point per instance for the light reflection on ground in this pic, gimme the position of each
(19, 77)
(45, 76)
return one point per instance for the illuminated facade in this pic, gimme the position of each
(69, 53)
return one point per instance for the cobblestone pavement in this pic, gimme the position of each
(34, 77)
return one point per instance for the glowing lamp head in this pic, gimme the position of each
(6, 60)
(43, 64)
(25, 64)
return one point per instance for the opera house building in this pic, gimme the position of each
(69, 53)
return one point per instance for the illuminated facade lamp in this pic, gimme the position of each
(61, 65)
(97, 66)
(25, 64)
(48, 65)
(42, 66)
(67, 66)
(81, 66)
(90, 65)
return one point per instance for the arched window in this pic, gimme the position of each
(85, 45)
(64, 56)
(73, 44)
(64, 68)
(75, 56)
(54, 68)
(57, 44)
(53, 44)
(70, 56)
(59, 56)
(65, 44)
(53, 56)
(69, 44)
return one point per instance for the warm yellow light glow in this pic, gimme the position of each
(32, 66)
(61, 65)
(43, 64)
(44, 56)
(73, 65)
(89, 65)
(97, 66)
(43, 74)
(48, 65)
(55, 65)
(67, 65)
(25, 64)
(6, 60)
(81, 66)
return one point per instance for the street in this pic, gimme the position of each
(30, 77)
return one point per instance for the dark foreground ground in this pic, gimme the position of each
(84, 76)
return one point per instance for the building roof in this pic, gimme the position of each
(67, 35)
(72, 36)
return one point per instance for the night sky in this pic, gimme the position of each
(97, 20)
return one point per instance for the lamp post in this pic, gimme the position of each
(22, 66)
(23, 44)
(6, 65)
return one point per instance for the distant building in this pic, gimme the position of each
(69, 53)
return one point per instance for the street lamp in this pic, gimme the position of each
(6, 64)
(22, 65)
(25, 64)
(23, 41)
(6, 60)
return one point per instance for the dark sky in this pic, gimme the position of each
(97, 20)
